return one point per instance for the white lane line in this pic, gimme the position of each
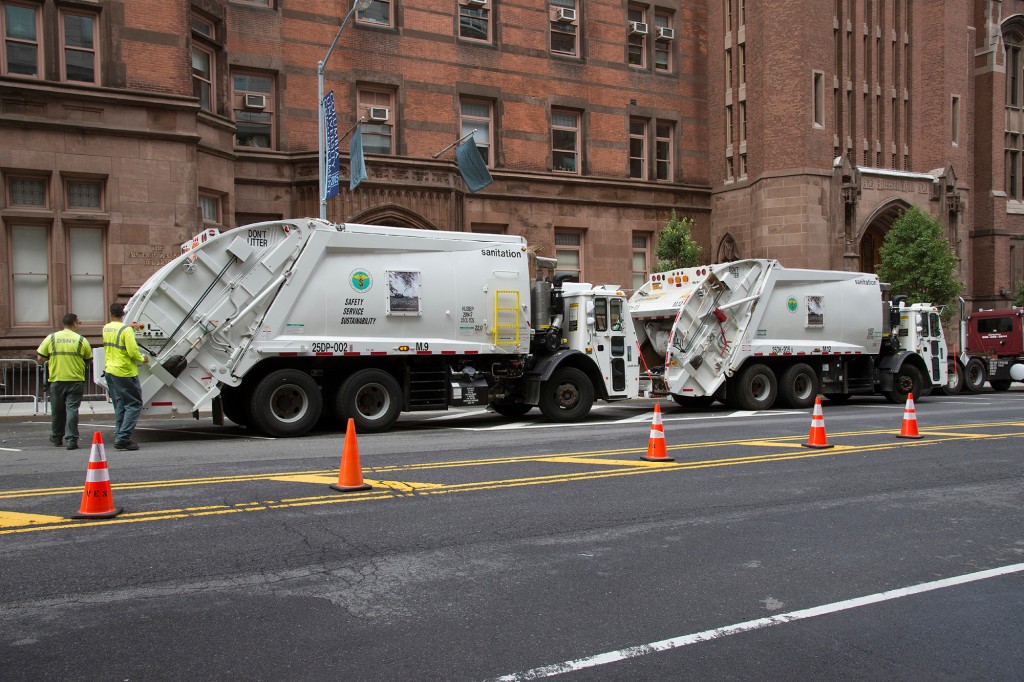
(781, 619)
(456, 415)
(10, 449)
(628, 420)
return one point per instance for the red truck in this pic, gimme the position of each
(991, 349)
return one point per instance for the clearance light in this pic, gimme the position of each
(403, 348)
(686, 278)
(589, 350)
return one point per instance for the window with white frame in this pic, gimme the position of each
(636, 38)
(85, 273)
(79, 34)
(209, 207)
(376, 108)
(565, 138)
(30, 274)
(664, 34)
(645, 135)
(663, 151)
(565, 23)
(379, 13)
(1012, 162)
(476, 115)
(569, 253)
(475, 20)
(204, 61)
(641, 259)
(638, 148)
(20, 28)
(252, 99)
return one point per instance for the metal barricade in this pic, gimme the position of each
(22, 381)
(93, 391)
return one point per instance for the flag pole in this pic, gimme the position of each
(469, 134)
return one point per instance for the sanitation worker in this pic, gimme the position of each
(65, 352)
(122, 374)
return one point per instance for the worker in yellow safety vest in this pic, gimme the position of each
(121, 371)
(65, 354)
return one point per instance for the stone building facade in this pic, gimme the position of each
(784, 131)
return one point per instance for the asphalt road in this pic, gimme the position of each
(490, 548)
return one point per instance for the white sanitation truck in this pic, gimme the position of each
(283, 325)
(754, 333)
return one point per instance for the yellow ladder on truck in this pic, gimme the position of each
(506, 318)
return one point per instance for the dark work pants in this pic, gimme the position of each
(126, 394)
(65, 399)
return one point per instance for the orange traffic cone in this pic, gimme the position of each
(97, 498)
(909, 429)
(351, 475)
(656, 446)
(817, 437)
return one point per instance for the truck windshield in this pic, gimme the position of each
(995, 325)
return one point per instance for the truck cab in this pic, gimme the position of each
(995, 342)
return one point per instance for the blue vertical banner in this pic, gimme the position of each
(333, 157)
(471, 165)
(355, 156)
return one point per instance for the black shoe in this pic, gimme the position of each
(58, 442)
(72, 445)
(130, 445)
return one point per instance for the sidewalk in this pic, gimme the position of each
(23, 411)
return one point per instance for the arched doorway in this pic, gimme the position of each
(392, 216)
(728, 251)
(875, 229)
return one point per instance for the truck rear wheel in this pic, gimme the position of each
(1000, 384)
(372, 398)
(955, 380)
(567, 396)
(756, 388)
(510, 409)
(974, 375)
(285, 403)
(234, 406)
(696, 401)
(798, 386)
(905, 382)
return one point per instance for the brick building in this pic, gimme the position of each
(795, 129)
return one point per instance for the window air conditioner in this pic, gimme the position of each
(476, 3)
(379, 113)
(665, 33)
(255, 102)
(637, 28)
(563, 15)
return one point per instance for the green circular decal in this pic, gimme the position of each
(791, 304)
(360, 280)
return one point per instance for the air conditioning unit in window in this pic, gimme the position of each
(255, 102)
(665, 33)
(564, 15)
(476, 3)
(637, 28)
(379, 114)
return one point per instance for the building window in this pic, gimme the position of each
(818, 93)
(743, 64)
(209, 208)
(376, 108)
(641, 259)
(85, 271)
(564, 27)
(30, 274)
(79, 38)
(258, 3)
(743, 12)
(743, 165)
(1013, 72)
(20, 24)
(474, 21)
(743, 121)
(565, 135)
(727, 14)
(204, 61)
(729, 130)
(638, 149)
(664, 34)
(955, 122)
(476, 115)
(253, 103)
(84, 195)
(377, 14)
(569, 254)
(637, 36)
(1013, 166)
(663, 151)
(27, 192)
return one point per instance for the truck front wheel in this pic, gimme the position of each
(756, 388)
(285, 403)
(372, 398)
(955, 380)
(567, 396)
(974, 375)
(905, 382)
(798, 386)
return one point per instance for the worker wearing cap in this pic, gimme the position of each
(65, 353)
(121, 370)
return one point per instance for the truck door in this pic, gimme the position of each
(935, 347)
(610, 349)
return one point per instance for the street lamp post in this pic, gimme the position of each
(357, 6)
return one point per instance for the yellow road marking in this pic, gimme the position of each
(605, 462)
(17, 519)
(325, 479)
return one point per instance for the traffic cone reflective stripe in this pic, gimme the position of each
(97, 498)
(350, 477)
(909, 429)
(817, 437)
(656, 451)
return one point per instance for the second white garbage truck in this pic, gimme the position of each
(755, 334)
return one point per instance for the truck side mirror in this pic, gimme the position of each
(894, 317)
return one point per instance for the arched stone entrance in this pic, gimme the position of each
(873, 233)
(393, 216)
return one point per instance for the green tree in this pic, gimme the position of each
(917, 261)
(1018, 296)
(676, 247)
